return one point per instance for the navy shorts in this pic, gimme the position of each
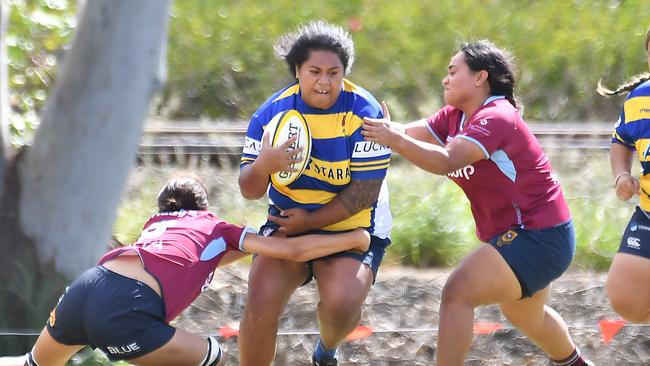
(121, 316)
(636, 238)
(537, 257)
(372, 257)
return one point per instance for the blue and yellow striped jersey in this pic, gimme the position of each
(633, 131)
(339, 154)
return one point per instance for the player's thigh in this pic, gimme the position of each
(343, 280)
(482, 277)
(628, 279)
(183, 348)
(272, 281)
(49, 352)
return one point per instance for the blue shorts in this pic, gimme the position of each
(372, 257)
(636, 238)
(121, 316)
(537, 257)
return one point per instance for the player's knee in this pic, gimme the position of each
(628, 307)
(624, 302)
(343, 301)
(341, 306)
(454, 290)
(214, 353)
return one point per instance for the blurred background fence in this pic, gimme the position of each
(220, 144)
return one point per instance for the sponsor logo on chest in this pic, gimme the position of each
(465, 172)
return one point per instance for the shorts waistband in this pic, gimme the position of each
(123, 278)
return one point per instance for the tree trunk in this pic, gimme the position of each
(62, 193)
(4, 101)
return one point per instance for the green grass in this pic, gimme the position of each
(433, 225)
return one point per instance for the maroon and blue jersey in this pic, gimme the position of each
(514, 185)
(181, 250)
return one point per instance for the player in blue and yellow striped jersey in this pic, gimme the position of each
(628, 280)
(342, 188)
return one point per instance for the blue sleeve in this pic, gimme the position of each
(369, 160)
(253, 139)
(624, 130)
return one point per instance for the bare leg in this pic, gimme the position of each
(628, 287)
(49, 352)
(343, 284)
(540, 324)
(270, 284)
(483, 277)
(184, 349)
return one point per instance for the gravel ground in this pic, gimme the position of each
(402, 309)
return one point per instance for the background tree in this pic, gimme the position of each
(4, 104)
(61, 193)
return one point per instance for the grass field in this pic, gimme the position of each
(432, 220)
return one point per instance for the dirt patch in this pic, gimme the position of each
(402, 309)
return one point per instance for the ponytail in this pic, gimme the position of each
(625, 87)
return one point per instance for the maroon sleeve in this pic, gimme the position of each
(232, 234)
(438, 125)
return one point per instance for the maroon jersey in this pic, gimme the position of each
(514, 186)
(181, 250)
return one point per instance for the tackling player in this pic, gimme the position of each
(124, 305)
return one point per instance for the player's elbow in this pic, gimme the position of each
(444, 167)
(249, 191)
(250, 195)
(297, 254)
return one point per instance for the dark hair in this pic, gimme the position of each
(484, 55)
(319, 35)
(631, 83)
(183, 191)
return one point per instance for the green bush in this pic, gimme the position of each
(432, 222)
(36, 34)
(221, 63)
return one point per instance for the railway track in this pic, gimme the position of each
(221, 144)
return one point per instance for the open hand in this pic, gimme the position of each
(292, 221)
(382, 130)
(274, 159)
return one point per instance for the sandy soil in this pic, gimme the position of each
(402, 309)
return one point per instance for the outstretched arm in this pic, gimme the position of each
(413, 142)
(306, 247)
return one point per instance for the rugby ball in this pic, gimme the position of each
(281, 128)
